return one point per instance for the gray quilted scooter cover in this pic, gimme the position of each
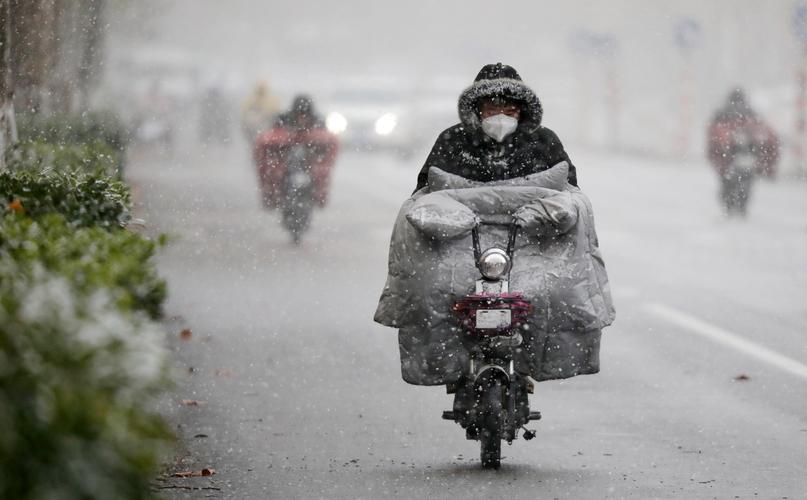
(557, 265)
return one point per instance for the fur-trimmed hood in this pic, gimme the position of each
(499, 80)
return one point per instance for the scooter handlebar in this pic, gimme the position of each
(507, 221)
(495, 220)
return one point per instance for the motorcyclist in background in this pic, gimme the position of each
(740, 146)
(500, 135)
(258, 112)
(301, 125)
(214, 117)
(156, 118)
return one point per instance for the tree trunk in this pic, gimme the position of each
(35, 53)
(56, 57)
(92, 46)
(8, 126)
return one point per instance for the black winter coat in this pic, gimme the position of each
(475, 156)
(466, 150)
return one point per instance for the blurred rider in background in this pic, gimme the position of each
(258, 112)
(740, 147)
(156, 117)
(214, 117)
(300, 125)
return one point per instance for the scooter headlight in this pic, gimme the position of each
(494, 263)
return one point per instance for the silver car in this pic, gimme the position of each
(372, 119)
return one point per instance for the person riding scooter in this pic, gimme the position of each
(301, 125)
(495, 277)
(299, 144)
(740, 147)
(258, 112)
(500, 135)
(214, 119)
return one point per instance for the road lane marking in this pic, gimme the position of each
(700, 327)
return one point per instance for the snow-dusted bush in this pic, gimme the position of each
(84, 199)
(94, 157)
(76, 376)
(84, 128)
(90, 258)
(81, 357)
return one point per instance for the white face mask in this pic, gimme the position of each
(499, 126)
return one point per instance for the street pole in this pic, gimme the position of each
(687, 107)
(606, 47)
(90, 19)
(580, 46)
(688, 37)
(800, 32)
(598, 52)
(801, 116)
(613, 101)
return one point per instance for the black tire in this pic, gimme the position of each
(743, 193)
(728, 193)
(490, 432)
(297, 210)
(296, 238)
(736, 190)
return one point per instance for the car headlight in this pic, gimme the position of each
(336, 123)
(386, 124)
(494, 263)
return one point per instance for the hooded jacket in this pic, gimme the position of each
(465, 150)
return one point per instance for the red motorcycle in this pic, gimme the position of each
(294, 169)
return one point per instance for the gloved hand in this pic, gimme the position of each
(548, 216)
(441, 217)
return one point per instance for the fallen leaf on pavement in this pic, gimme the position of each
(186, 334)
(192, 402)
(195, 473)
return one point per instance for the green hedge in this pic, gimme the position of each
(84, 199)
(95, 157)
(81, 355)
(85, 128)
(93, 141)
(77, 376)
(91, 258)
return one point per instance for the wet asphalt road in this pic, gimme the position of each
(301, 391)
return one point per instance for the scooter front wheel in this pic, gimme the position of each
(490, 433)
(297, 214)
